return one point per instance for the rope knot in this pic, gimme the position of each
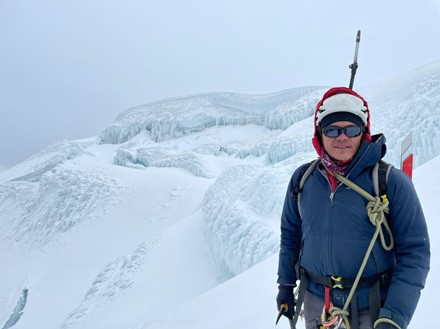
(342, 315)
(376, 210)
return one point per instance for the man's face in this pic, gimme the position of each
(341, 148)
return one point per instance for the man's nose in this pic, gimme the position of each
(342, 136)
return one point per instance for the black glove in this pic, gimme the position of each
(385, 325)
(286, 298)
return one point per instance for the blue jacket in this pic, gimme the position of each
(335, 232)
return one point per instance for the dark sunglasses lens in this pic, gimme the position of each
(332, 132)
(353, 131)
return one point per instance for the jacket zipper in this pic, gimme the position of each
(330, 235)
(331, 198)
(332, 193)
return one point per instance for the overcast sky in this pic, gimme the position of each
(69, 67)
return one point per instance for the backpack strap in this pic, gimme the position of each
(299, 188)
(381, 171)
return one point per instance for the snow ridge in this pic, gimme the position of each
(182, 116)
(35, 212)
(37, 165)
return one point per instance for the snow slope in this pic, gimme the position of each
(170, 217)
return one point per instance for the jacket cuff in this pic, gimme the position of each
(396, 320)
(286, 286)
(286, 282)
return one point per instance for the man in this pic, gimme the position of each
(328, 232)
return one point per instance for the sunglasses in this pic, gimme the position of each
(335, 131)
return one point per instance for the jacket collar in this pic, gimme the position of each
(369, 154)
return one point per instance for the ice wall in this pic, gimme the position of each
(241, 210)
(178, 117)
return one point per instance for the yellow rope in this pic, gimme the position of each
(385, 320)
(376, 210)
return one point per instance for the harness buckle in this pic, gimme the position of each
(337, 282)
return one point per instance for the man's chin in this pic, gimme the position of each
(342, 156)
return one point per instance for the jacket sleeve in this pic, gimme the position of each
(412, 250)
(290, 233)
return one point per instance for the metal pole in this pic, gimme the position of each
(354, 66)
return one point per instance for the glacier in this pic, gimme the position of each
(111, 209)
(178, 117)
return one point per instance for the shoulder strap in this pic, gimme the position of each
(298, 190)
(381, 172)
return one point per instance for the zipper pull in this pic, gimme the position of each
(331, 197)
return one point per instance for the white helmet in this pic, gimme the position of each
(345, 107)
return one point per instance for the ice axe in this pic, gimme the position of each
(355, 65)
(284, 308)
